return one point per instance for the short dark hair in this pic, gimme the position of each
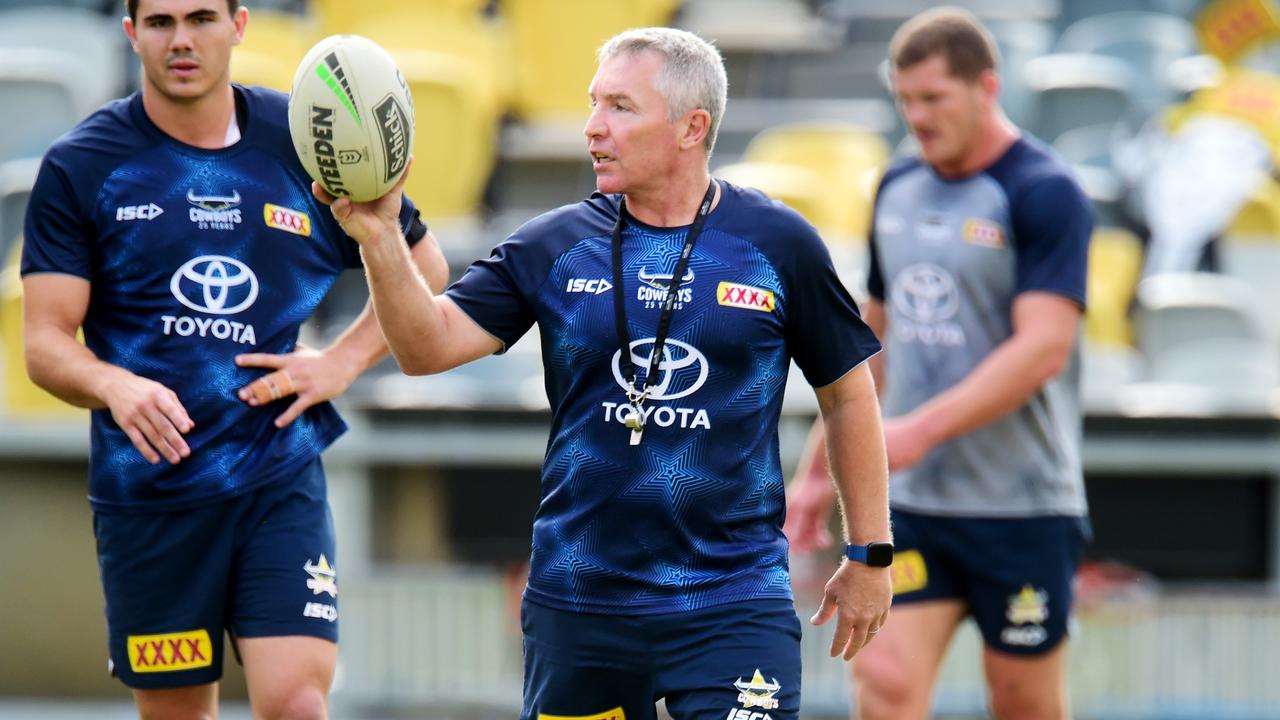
(955, 34)
(131, 7)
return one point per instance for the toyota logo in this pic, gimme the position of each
(681, 371)
(925, 293)
(215, 284)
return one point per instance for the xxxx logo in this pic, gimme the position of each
(290, 221)
(170, 652)
(745, 297)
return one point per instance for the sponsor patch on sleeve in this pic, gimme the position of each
(290, 221)
(744, 296)
(170, 652)
(908, 572)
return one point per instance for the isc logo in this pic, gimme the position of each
(593, 286)
(743, 714)
(138, 212)
(324, 611)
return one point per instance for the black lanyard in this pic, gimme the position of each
(636, 397)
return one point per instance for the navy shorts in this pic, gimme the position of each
(1015, 574)
(258, 565)
(730, 662)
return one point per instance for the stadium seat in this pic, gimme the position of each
(1106, 370)
(847, 161)
(16, 179)
(555, 45)
(21, 397)
(94, 43)
(455, 135)
(1205, 330)
(44, 83)
(1074, 90)
(1148, 42)
(481, 43)
(1259, 219)
(1019, 41)
(338, 17)
(1115, 265)
(796, 187)
(1089, 151)
(274, 43)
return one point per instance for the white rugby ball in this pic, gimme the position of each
(351, 117)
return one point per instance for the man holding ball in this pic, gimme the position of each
(176, 227)
(659, 566)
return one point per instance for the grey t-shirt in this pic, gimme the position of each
(948, 257)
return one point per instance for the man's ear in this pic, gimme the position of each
(697, 123)
(241, 19)
(130, 31)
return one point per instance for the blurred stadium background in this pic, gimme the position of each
(1170, 111)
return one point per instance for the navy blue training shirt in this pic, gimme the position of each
(194, 256)
(692, 516)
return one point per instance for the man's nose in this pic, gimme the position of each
(595, 126)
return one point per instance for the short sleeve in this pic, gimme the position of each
(411, 222)
(497, 292)
(1052, 222)
(56, 233)
(875, 276)
(825, 332)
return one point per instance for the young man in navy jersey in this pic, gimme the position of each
(977, 280)
(670, 307)
(176, 227)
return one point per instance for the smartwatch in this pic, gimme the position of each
(876, 554)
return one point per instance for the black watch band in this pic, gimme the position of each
(876, 554)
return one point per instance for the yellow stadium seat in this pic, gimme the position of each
(1115, 265)
(481, 43)
(555, 45)
(455, 136)
(1259, 219)
(22, 398)
(795, 187)
(847, 161)
(274, 43)
(339, 17)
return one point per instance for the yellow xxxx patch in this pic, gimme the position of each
(908, 572)
(614, 714)
(290, 221)
(745, 297)
(170, 652)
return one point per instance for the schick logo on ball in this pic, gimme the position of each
(393, 127)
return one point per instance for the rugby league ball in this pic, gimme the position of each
(351, 117)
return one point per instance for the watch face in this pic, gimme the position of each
(880, 554)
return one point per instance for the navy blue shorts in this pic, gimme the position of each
(1014, 573)
(730, 662)
(259, 565)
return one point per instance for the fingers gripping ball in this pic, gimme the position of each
(351, 117)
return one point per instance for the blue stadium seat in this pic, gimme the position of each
(1205, 331)
(1148, 42)
(16, 179)
(44, 83)
(1073, 90)
(93, 41)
